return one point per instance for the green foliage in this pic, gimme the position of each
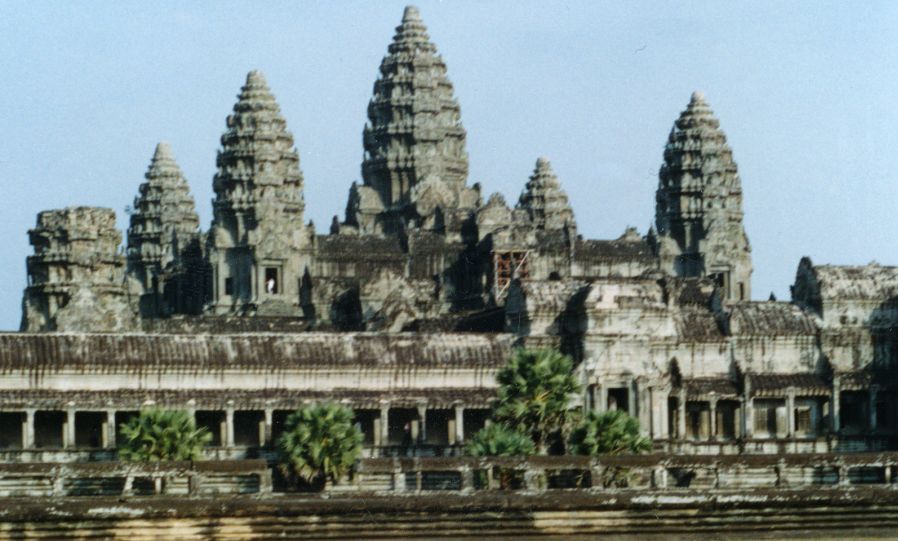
(612, 432)
(157, 435)
(499, 440)
(320, 442)
(535, 389)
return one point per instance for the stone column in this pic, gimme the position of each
(109, 430)
(422, 416)
(602, 403)
(229, 427)
(68, 436)
(748, 413)
(269, 424)
(790, 412)
(712, 411)
(664, 408)
(681, 417)
(871, 409)
(459, 424)
(631, 403)
(644, 411)
(835, 406)
(28, 429)
(384, 426)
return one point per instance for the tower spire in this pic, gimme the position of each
(544, 200)
(414, 132)
(698, 211)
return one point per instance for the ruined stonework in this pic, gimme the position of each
(76, 277)
(699, 204)
(407, 309)
(258, 243)
(415, 161)
(164, 251)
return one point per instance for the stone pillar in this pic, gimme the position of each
(268, 430)
(68, 435)
(459, 425)
(384, 425)
(109, 430)
(748, 413)
(229, 427)
(681, 417)
(422, 416)
(28, 429)
(835, 406)
(602, 403)
(712, 411)
(790, 412)
(644, 412)
(871, 409)
(664, 408)
(632, 409)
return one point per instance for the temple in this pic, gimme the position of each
(408, 305)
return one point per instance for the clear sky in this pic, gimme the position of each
(807, 93)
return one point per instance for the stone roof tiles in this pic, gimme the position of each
(776, 385)
(108, 353)
(770, 318)
(868, 282)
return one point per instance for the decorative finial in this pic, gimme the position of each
(256, 78)
(411, 14)
(163, 152)
(698, 96)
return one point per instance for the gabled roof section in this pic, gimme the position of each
(770, 319)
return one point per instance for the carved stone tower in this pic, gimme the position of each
(545, 201)
(76, 278)
(259, 245)
(698, 213)
(164, 253)
(415, 159)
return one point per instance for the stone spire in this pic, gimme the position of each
(163, 237)
(414, 133)
(76, 279)
(258, 178)
(699, 204)
(257, 228)
(545, 201)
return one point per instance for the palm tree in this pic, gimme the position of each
(499, 440)
(535, 391)
(158, 435)
(320, 442)
(612, 432)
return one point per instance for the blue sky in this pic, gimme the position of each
(807, 93)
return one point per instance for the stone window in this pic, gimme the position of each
(769, 418)
(49, 427)
(89, 427)
(229, 286)
(249, 428)
(854, 411)
(214, 422)
(272, 281)
(11, 424)
(803, 420)
(618, 399)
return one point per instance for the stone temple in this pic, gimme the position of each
(412, 300)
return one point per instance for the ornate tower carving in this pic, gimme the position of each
(259, 244)
(698, 212)
(415, 159)
(76, 278)
(545, 201)
(164, 253)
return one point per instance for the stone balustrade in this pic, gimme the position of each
(647, 473)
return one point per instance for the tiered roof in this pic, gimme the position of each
(164, 215)
(544, 200)
(414, 130)
(258, 176)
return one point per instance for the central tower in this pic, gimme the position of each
(698, 211)
(415, 159)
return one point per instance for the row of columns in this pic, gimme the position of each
(419, 431)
